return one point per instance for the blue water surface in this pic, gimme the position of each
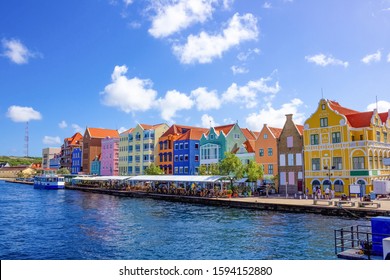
(67, 224)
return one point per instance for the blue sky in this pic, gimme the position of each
(65, 65)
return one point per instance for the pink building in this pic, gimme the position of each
(110, 157)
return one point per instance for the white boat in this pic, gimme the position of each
(49, 181)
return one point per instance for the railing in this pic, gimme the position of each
(359, 238)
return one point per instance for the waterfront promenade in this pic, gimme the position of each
(273, 203)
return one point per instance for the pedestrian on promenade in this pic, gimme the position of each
(332, 193)
(327, 193)
(307, 193)
(319, 193)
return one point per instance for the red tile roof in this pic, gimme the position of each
(275, 131)
(361, 119)
(224, 128)
(102, 132)
(248, 134)
(342, 110)
(384, 116)
(193, 134)
(177, 129)
(300, 128)
(249, 145)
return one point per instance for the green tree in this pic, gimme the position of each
(63, 171)
(254, 171)
(231, 167)
(212, 169)
(153, 170)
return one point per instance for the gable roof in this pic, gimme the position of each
(342, 110)
(193, 134)
(300, 128)
(127, 131)
(275, 131)
(148, 126)
(102, 132)
(224, 128)
(177, 129)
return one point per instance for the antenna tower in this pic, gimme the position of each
(26, 138)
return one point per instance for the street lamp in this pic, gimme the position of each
(329, 173)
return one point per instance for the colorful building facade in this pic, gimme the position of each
(345, 147)
(266, 149)
(47, 154)
(219, 140)
(290, 153)
(124, 151)
(92, 142)
(109, 162)
(70, 143)
(95, 166)
(186, 152)
(142, 151)
(76, 161)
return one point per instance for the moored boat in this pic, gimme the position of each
(49, 181)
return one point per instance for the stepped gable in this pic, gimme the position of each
(102, 132)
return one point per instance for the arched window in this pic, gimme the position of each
(339, 186)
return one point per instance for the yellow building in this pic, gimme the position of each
(343, 147)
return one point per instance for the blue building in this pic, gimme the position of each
(76, 161)
(186, 152)
(95, 166)
(55, 162)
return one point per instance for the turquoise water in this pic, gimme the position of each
(66, 224)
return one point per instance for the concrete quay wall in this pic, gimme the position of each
(268, 204)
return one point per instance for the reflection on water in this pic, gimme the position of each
(64, 224)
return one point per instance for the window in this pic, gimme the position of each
(181, 157)
(324, 122)
(130, 159)
(282, 159)
(176, 170)
(314, 139)
(298, 159)
(358, 162)
(211, 136)
(270, 169)
(137, 137)
(130, 137)
(176, 146)
(290, 142)
(384, 137)
(137, 158)
(146, 157)
(196, 158)
(236, 136)
(315, 163)
(197, 146)
(336, 138)
(270, 151)
(323, 106)
(130, 169)
(185, 169)
(181, 146)
(290, 158)
(265, 136)
(186, 145)
(283, 178)
(378, 136)
(181, 169)
(185, 157)
(130, 148)
(261, 152)
(291, 178)
(338, 163)
(137, 148)
(176, 158)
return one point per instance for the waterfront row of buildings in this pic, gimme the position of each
(335, 147)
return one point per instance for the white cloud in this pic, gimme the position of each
(206, 100)
(243, 56)
(383, 106)
(375, 57)
(323, 60)
(208, 121)
(77, 128)
(275, 117)
(175, 15)
(267, 5)
(50, 140)
(388, 57)
(129, 95)
(63, 124)
(23, 114)
(248, 94)
(127, 2)
(238, 70)
(203, 48)
(227, 4)
(16, 51)
(122, 129)
(172, 102)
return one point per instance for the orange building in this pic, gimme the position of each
(266, 149)
(92, 144)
